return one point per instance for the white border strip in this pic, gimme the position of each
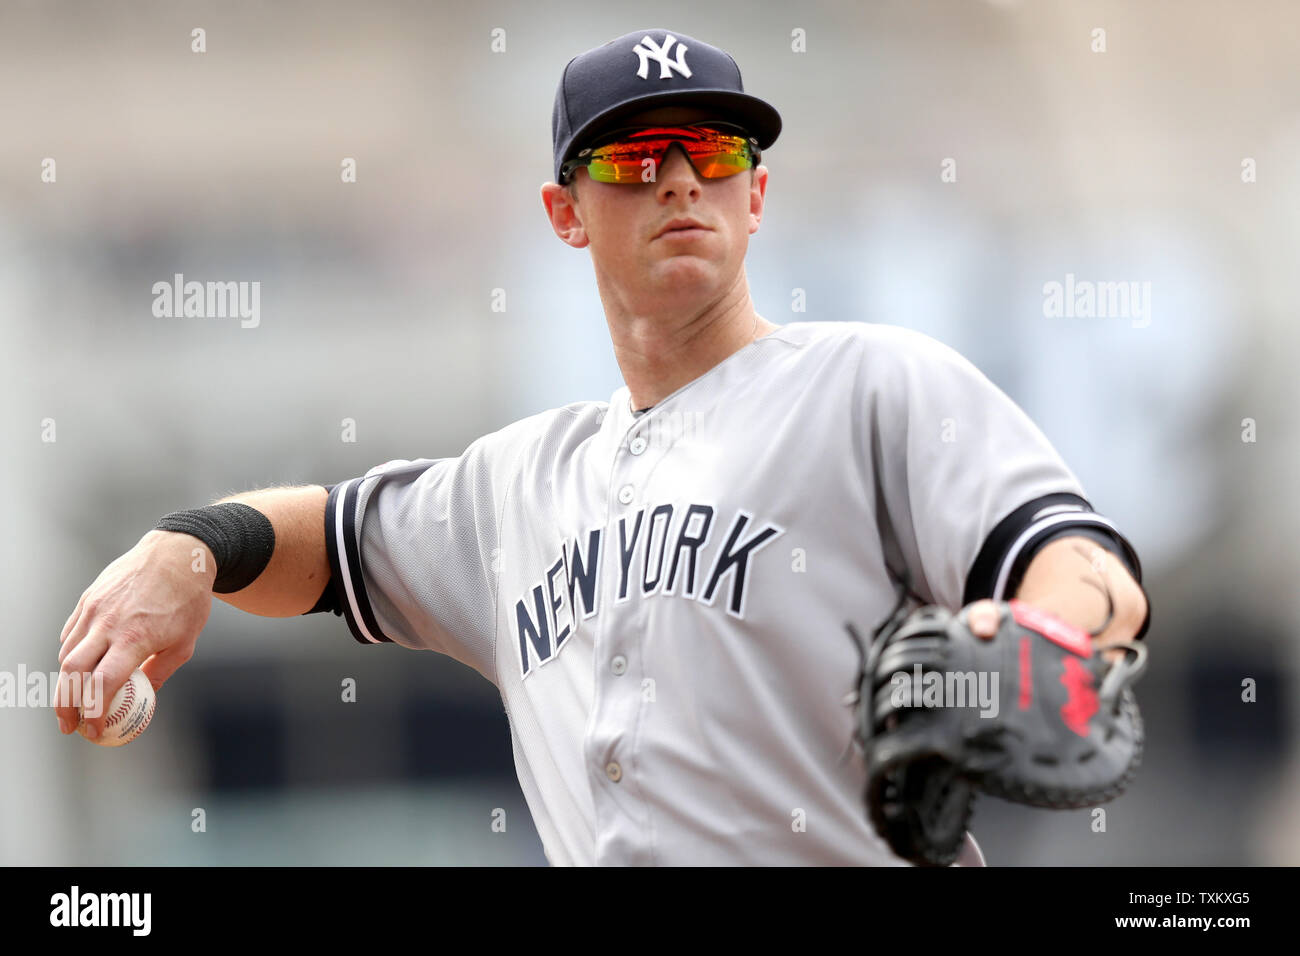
(341, 548)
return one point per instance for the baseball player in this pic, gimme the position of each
(659, 584)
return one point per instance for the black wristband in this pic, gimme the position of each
(240, 537)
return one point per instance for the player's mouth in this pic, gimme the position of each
(683, 229)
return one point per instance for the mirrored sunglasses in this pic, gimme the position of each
(634, 154)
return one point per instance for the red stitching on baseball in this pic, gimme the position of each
(122, 711)
(145, 723)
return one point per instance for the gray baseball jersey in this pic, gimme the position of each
(661, 598)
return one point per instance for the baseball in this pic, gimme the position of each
(129, 712)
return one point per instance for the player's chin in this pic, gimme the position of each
(684, 272)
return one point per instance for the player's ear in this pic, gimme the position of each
(562, 210)
(757, 196)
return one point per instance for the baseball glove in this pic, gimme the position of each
(1032, 715)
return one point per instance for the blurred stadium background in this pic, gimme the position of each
(377, 306)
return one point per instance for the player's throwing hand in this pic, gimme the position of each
(146, 608)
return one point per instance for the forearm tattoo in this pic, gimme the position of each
(1098, 580)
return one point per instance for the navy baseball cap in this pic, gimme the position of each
(646, 69)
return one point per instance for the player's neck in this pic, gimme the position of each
(658, 354)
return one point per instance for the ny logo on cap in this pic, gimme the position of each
(648, 49)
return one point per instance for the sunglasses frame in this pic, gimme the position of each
(571, 166)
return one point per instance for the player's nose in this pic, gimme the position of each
(676, 175)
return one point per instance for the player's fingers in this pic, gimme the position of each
(75, 678)
(983, 618)
(112, 672)
(165, 663)
(76, 630)
(73, 618)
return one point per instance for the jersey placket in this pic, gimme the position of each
(622, 812)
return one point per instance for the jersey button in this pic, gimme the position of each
(618, 665)
(613, 771)
(626, 494)
(637, 445)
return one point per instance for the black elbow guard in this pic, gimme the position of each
(329, 600)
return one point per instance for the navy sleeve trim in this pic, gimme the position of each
(345, 563)
(1011, 546)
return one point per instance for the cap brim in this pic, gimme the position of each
(759, 117)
